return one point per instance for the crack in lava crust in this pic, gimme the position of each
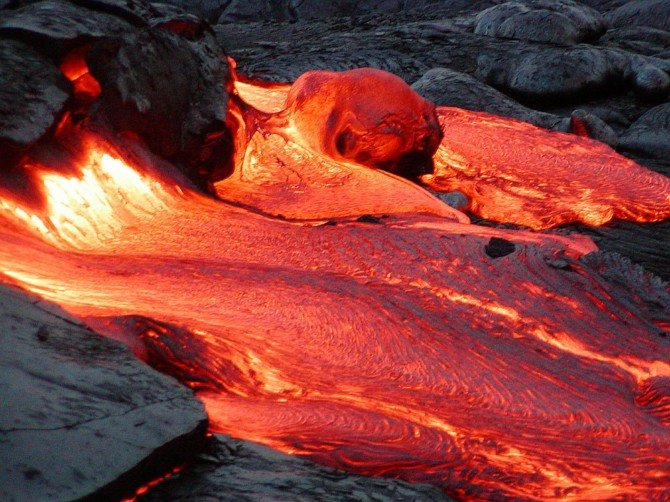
(398, 349)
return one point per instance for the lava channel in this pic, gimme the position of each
(393, 346)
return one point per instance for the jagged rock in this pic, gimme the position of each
(167, 89)
(650, 134)
(644, 244)
(33, 95)
(652, 13)
(447, 87)
(81, 416)
(553, 21)
(236, 470)
(56, 26)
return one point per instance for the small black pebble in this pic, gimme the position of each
(42, 334)
(497, 247)
(31, 473)
(368, 218)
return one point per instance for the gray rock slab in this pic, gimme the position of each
(81, 416)
(550, 21)
(33, 95)
(242, 470)
(652, 13)
(55, 26)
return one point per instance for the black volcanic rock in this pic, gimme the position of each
(552, 21)
(289, 66)
(447, 87)
(81, 417)
(289, 10)
(242, 470)
(575, 73)
(169, 90)
(652, 13)
(650, 134)
(56, 26)
(33, 95)
(552, 72)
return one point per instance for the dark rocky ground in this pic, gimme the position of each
(599, 65)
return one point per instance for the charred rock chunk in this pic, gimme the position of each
(33, 95)
(497, 247)
(56, 26)
(553, 21)
(168, 90)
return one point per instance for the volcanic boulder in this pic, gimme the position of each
(551, 21)
(447, 87)
(169, 90)
(81, 416)
(33, 95)
(650, 134)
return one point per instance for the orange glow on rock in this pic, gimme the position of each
(75, 69)
(518, 173)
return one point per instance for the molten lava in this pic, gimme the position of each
(518, 173)
(399, 348)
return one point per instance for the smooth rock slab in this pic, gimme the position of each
(550, 21)
(242, 470)
(80, 415)
(56, 26)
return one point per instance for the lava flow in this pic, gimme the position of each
(394, 346)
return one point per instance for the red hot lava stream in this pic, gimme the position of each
(398, 349)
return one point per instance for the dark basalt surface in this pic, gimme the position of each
(56, 26)
(551, 21)
(175, 119)
(242, 470)
(33, 95)
(81, 416)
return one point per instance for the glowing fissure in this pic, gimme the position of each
(398, 348)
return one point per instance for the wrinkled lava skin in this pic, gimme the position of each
(394, 346)
(366, 115)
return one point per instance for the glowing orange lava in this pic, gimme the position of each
(395, 348)
(518, 173)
